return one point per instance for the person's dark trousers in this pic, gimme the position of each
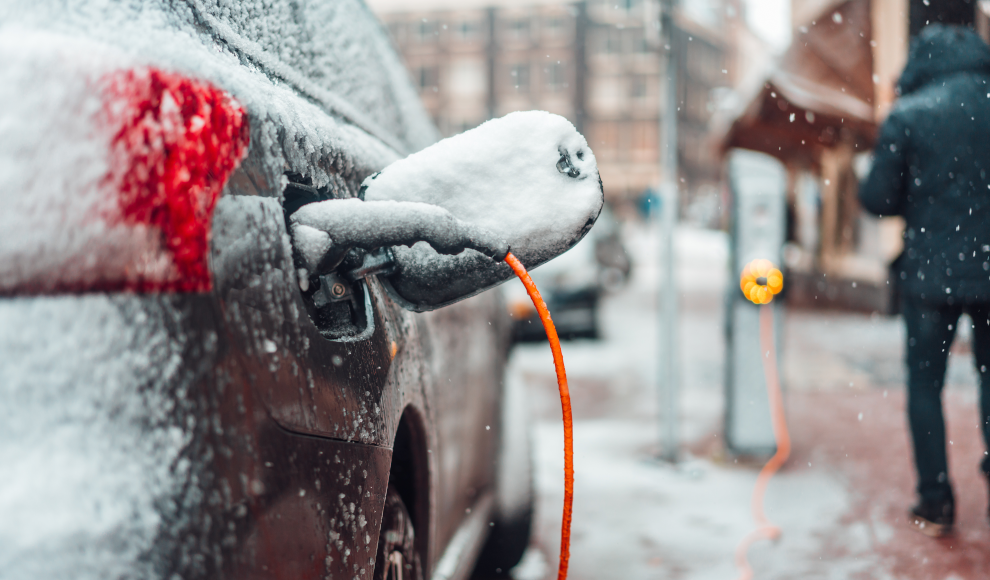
(930, 330)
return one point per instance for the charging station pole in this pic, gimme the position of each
(667, 289)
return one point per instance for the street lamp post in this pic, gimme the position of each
(667, 290)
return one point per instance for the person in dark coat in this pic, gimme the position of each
(932, 166)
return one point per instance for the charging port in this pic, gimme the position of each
(339, 306)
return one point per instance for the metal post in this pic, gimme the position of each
(491, 58)
(667, 295)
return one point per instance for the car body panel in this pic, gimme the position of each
(464, 404)
(148, 441)
(309, 384)
(222, 435)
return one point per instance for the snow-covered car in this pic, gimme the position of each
(177, 398)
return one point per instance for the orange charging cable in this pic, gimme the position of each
(565, 404)
(760, 282)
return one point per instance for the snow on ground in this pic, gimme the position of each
(638, 518)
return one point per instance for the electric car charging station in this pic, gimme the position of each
(758, 185)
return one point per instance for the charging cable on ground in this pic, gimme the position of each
(760, 281)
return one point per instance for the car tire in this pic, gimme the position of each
(512, 521)
(396, 558)
(506, 544)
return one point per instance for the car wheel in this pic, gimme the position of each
(512, 522)
(396, 558)
(506, 544)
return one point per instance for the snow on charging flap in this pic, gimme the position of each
(529, 177)
(109, 172)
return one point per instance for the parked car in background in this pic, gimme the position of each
(572, 285)
(177, 398)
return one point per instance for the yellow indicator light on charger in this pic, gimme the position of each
(760, 281)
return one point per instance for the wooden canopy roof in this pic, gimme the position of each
(821, 92)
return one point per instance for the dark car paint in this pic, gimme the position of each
(266, 503)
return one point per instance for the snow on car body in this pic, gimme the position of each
(235, 431)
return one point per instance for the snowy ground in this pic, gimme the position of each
(841, 498)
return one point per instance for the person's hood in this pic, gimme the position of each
(941, 50)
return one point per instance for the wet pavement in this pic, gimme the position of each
(842, 498)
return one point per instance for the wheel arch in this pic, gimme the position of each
(411, 476)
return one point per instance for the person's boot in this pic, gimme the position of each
(933, 518)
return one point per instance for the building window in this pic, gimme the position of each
(518, 29)
(608, 93)
(428, 78)
(604, 136)
(519, 76)
(554, 26)
(426, 31)
(637, 41)
(609, 40)
(467, 29)
(466, 78)
(639, 88)
(704, 59)
(556, 76)
(644, 135)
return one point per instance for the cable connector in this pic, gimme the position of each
(325, 231)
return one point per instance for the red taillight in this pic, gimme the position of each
(108, 180)
(175, 142)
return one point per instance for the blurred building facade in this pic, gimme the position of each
(596, 62)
